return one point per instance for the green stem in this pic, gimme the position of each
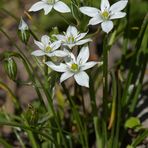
(17, 20)
(93, 97)
(65, 19)
(13, 124)
(105, 90)
(140, 138)
(133, 63)
(5, 143)
(98, 133)
(15, 131)
(14, 98)
(46, 91)
(112, 123)
(83, 135)
(139, 87)
(31, 136)
(105, 75)
(118, 118)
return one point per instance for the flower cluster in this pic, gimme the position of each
(72, 66)
(63, 46)
(106, 14)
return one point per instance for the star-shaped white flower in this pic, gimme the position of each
(47, 5)
(75, 67)
(48, 48)
(72, 37)
(106, 14)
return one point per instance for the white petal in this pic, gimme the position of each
(49, 54)
(118, 15)
(82, 78)
(81, 42)
(47, 9)
(23, 25)
(59, 68)
(61, 7)
(95, 20)
(107, 26)
(38, 6)
(38, 53)
(59, 37)
(39, 44)
(70, 58)
(88, 65)
(83, 55)
(69, 45)
(90, 11)
(55, 45)
(44, 1)
(100, 64)
(80, 36)
(45, 39)
(60, 53)
(118, 6)
(71, 30)
(104, 5)
(65, 76)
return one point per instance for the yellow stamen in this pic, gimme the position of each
(48, 49)
(105, 15)
(51, 1)
(71, 39)
(74, 67)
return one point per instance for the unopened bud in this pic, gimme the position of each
(23, 31)
(10, 68)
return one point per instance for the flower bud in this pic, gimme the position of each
(53, 32)
(10, 68)
(31, 115)
(23, 31)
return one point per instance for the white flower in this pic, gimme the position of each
(72, 37)
(23, 25)
(106, 14)
(75, 67)
(47, 5)
(48, 48)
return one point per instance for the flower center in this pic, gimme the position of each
(50, 1)
(48, 49)
(74, 67)
(105, 15)
(71, 39)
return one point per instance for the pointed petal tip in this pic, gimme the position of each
(61, 7)
(107, 26)
(100, 63)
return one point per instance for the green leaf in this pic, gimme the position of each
(132, 122)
